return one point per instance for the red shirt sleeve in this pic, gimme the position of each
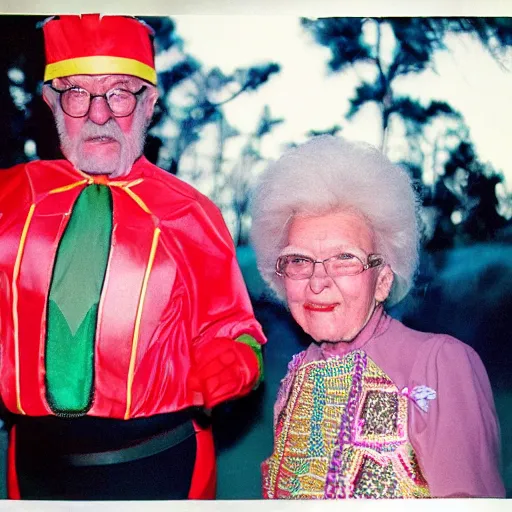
(217, 295)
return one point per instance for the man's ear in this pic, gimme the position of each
(50, 97)
(150, 102)
(384, 283)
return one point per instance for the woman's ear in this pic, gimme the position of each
(384, 283)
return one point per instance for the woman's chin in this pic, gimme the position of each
(323, 337)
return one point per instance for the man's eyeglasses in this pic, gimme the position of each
(296, 266)
(76, 102)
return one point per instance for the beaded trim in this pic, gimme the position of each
(337, 485)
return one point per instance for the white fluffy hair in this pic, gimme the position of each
(327, 174)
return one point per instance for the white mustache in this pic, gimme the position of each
(109, 130)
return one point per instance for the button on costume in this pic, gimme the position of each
(122, 310)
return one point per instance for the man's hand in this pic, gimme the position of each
(225, 369)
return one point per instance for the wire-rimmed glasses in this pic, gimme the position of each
(297, 266)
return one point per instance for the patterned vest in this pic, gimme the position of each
(343, 434)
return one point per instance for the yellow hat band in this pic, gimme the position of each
(100, 65)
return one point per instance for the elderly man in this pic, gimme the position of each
(123, 314)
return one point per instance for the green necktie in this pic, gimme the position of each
(75, 291)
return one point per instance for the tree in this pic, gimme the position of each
(191, 101)
(26, 131)
(192, 97)
(190, 108)
(393, 48)
(245, 171)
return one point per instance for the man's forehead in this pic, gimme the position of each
(104, 82)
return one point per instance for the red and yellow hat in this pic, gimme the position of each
(91, 44)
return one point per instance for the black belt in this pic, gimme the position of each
(140, 450)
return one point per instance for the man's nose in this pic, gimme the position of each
(99, 111)
(320, 279)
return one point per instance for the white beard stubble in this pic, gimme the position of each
(131, 145)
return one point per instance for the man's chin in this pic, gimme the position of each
(107, 166)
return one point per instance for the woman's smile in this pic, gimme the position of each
(316, 307)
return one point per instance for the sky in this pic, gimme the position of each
(307, 97)
(248, 30)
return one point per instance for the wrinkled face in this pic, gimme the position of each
(334, 309)
(100, 143)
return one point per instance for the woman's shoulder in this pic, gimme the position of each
(421, 340)
(427, 349)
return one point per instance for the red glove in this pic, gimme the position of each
(225, 369)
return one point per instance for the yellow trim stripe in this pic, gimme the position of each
(137, 199)
(131, 370)
(124, 184)
(100, 65)
(15, 319)
(68, 187)
(129, 184)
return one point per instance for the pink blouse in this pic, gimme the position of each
(456, 440)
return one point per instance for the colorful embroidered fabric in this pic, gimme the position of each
(342, 434)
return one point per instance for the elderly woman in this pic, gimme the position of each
(371, 408)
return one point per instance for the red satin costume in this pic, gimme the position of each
(173, 290)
